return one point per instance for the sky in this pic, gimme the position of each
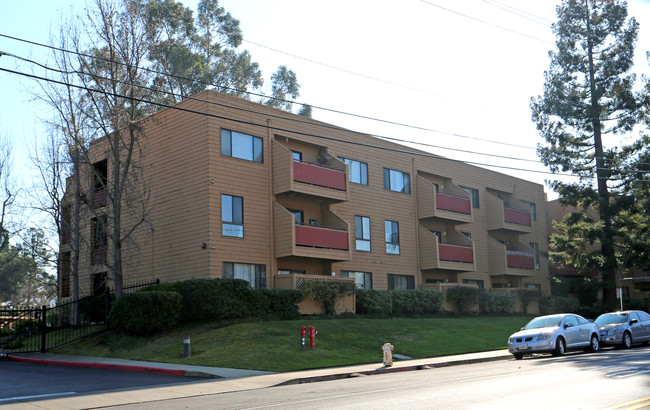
(454, 75)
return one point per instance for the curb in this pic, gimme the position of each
(385, 370)
(109, 366)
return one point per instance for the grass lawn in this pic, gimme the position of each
(275, 346)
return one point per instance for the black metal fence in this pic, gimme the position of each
(44, 328)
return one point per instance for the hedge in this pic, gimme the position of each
(398, 302)
(145, 313)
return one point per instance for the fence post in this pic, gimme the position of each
(43, 327)
(107, 305)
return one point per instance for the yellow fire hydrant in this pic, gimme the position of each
(388, 354)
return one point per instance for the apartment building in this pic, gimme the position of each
(232, 188)
(631, 283)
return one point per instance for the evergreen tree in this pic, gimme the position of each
(588, 96)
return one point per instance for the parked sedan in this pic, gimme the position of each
(554, 334)
(621, 329)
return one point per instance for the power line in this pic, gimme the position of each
(518, 12)
(425, 129)
(272, 115)
(485, 22)
(268, 127)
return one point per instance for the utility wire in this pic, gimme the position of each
(265, 96)
(485, 22)
(518, 12)
(268, 127)
(402, 141)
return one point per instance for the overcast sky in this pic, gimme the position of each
(454, 73)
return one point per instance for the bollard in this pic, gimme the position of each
(186, 347)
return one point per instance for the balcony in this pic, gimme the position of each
(516, 217)
(458, 256)
(303, 177)
(514, 259)
(311, 241)
(451, 204)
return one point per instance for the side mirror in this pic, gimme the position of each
(567, 325)
(633, 321)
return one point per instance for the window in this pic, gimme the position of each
(392, 237)
(474, 194)
(237, 145)
(400, 282)
(297, 155)
(64, 275)
(362, 233)
(535, 253)
(397, 181)
(100, 174)
(232, 216)
(467, 234)
(99, 252)
(532, 286)
(99, 283)
(533, 209)
(358, 171)
(478, 283)
(438, 234)
(251, 273)
(298, 215)
(363, 280)
(291, 271)
(571, 319)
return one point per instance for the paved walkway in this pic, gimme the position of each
(225, 380)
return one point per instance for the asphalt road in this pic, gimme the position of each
(606, 379)
(36, 381)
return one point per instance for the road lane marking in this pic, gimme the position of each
(38, 396)
(638, 403)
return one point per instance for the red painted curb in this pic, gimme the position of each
(106, 366)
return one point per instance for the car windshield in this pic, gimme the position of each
(548, 321)
(612, 318)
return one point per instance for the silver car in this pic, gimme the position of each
(621, 329)
(554, 334)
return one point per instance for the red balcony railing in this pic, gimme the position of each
(321, 237)
(455, 253)
(516, 216)
(99, 198)
(522, 260)
(99, 255)
(453, 203)
(317, 175)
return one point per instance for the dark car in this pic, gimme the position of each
(622, 329)
(554, 334)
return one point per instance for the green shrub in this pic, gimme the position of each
(328, 293)
(145, 313)
(557, 304)
(498, 303)
(374, 302)
(24, 324)
(462, 297)
(211, 299)
(279, 304)
(416, 302)
(93, 308)
(636, 304)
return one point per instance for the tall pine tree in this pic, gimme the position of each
(588, 97)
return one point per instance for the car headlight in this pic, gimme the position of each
(544, 336)
(511, 339)
(612, 331)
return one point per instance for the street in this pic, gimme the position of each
(577, 381)
(610, 378)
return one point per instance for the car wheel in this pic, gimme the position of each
(560, 347)
(627, 340)
(594, 345)
(518, 356)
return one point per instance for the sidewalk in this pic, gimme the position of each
(225, 380)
